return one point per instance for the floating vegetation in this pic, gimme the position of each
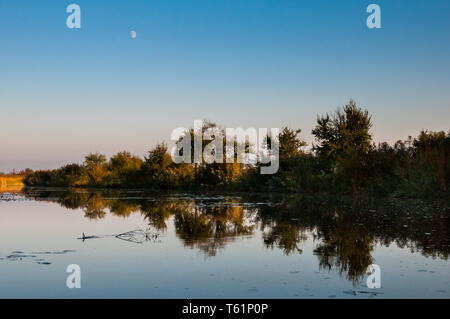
(15, 257)
(8, 197)
(22, 256)
(54, 252)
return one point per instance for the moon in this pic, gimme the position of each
(133, 34)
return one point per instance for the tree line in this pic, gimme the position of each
(343, 160)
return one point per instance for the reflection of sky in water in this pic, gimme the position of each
(166, 267)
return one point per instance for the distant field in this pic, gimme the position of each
(10, 183)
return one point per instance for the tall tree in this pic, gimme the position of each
(96, 168)
(290, 143)
(344, 133)
(343, 145)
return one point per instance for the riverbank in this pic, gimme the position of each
(11, 183)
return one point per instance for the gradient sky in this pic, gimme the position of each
(241, 63)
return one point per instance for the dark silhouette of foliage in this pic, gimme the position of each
(343, 134)
(343, 161)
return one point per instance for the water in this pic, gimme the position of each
(144, 245)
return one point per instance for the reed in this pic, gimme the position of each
(11, 183)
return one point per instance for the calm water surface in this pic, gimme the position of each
(140, 245)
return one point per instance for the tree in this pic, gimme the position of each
(96, 168)
(344, 133)
(158, 159)
(123, 169)
(344, 143)
(156, 167)
(290, 144)
(72, 175)
(290, 156)
(215, 173)
(431, 169)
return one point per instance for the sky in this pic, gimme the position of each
(240, 63)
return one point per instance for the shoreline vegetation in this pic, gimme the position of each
(11, 182)
(343, 160)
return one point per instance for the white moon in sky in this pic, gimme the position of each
(133, 34)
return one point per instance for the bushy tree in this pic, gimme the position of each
(290, 143)
(431, 162)
(123, 170)
(96, 168)
(344, 133)
(343, 145)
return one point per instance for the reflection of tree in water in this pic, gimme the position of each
(94, 208)
(345, 230)
(346, 250)
(158, 211)
(96, 204)
(210, 228)
(285, 236)
(348, 229)
(122, 208)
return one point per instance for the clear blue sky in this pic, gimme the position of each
(240, 63)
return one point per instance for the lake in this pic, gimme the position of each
(138, 244)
